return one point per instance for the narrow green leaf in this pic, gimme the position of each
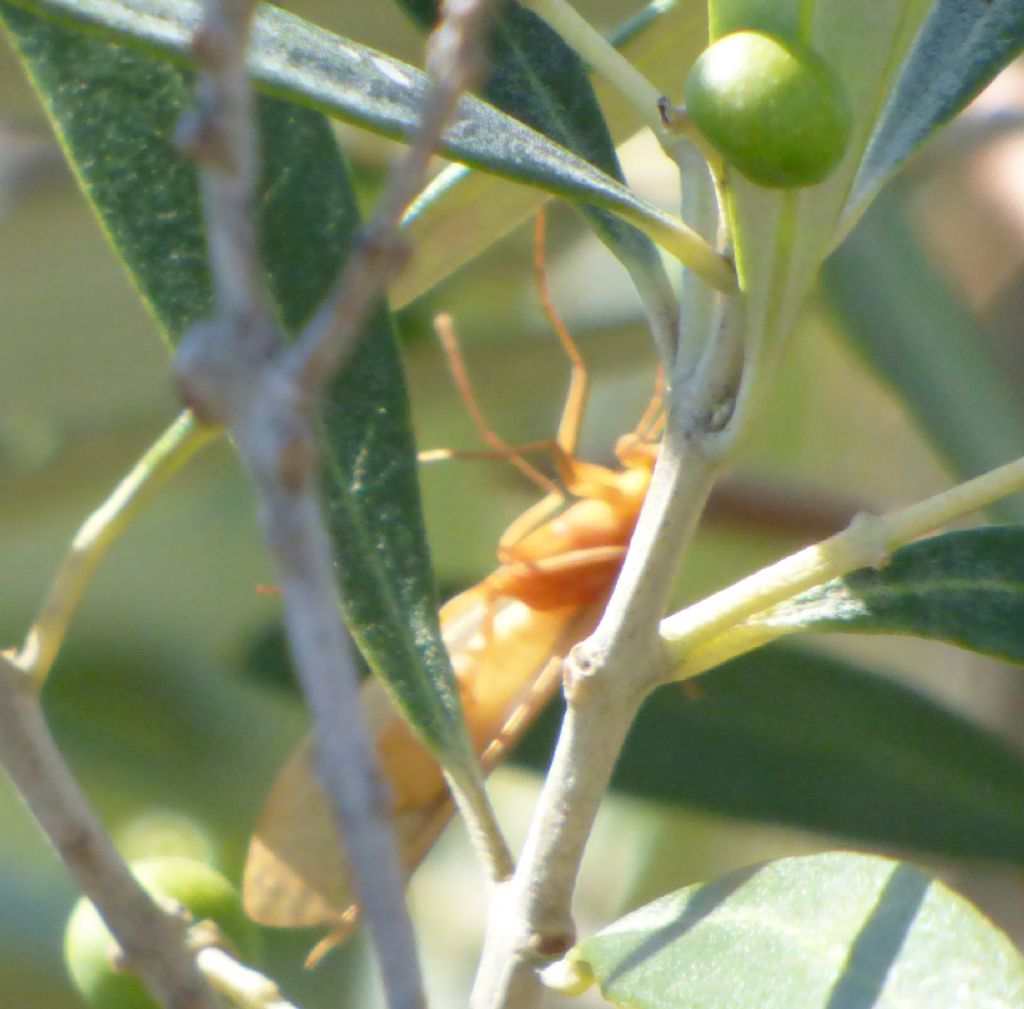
(540, 81)
(115, 110)
(960, 48)
(832, 931)
(903, 318)
(293, 59)
(792, 737)
(965, 587)
(536, 78)
(466, 211)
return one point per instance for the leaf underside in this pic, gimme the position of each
(961, 46)
(832, 931)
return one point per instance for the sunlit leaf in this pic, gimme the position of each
(965, 587)
(832, 931)
(879, 50)
(467, 211)
(782, 236)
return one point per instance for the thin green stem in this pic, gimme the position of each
(596, 50)
(182, 440)
(729, 623)
(679, 239)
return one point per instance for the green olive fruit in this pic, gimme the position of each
(772, 108)
(202, 891)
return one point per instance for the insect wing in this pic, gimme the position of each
(297, 874)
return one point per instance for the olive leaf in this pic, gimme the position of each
(535, 77)
(788, 735)
(147, 197)
(965, 587)
(290, 58)
(465, 211)
(834, 931)
(959, 49)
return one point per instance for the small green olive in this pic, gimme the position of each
(88, 945)
(772, 108)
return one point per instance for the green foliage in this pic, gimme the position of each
(965, 587)
(834, 931)
(781, 736)
(958, 50)
(864, 46)
(537, 79)
(294, 60)
(464, 212)
(129, 166)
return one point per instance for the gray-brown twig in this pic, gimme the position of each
(151, 940)
(237, 370)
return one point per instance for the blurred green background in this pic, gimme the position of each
(164, 700)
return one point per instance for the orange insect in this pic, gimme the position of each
(506, 637)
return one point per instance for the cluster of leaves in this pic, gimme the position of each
(785, 735)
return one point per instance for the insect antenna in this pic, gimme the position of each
(444, 327)
(563, 447)
(650, 425)
(568, 435)
(652, 422)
